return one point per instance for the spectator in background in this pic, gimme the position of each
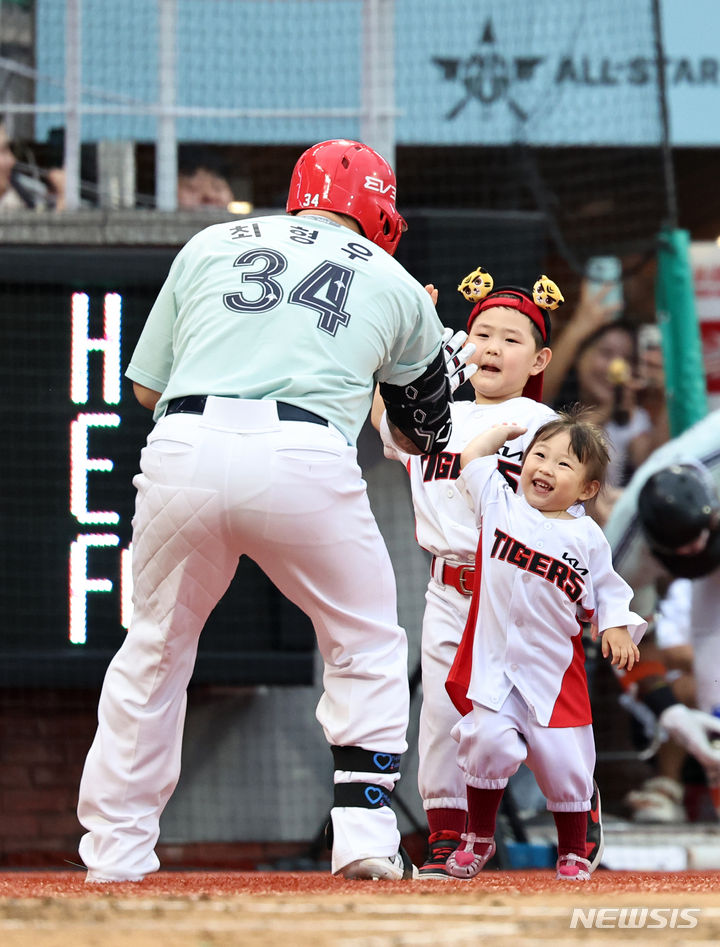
(609, 375)
(201, 181)
(22, 191)
(592, 313)
(650, 394)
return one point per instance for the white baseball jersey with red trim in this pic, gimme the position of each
(445, 524)
(541, 577)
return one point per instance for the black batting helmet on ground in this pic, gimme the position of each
(679, 510)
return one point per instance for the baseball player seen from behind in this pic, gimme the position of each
(510, 329)
(519, 674)
(253, 453)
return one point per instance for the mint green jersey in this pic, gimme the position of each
(295, 309)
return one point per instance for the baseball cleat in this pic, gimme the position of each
(572, 868)
(97, 878)
(471, 858)
(393, 868)
(440, 846)
(594, 840)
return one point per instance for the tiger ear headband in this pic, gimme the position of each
(479, 284)
(546, 294)
(476, 285)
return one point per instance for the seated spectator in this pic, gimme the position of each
(23, 191)
(201, 182)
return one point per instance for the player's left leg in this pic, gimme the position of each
(705, 629)
(181, 569)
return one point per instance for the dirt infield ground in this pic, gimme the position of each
(309, 909)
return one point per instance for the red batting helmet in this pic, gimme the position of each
(349, 178)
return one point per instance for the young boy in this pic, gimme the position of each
(510, 328)
(546, 568)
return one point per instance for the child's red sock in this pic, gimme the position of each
(572, 832)
(446, 820)
(483, 805)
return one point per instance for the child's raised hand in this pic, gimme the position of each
(617, 641)
(490, 441)
(509, 430)
(432, 293)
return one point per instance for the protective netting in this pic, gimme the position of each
(551, 108)
(526, 137)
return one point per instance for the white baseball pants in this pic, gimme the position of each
(440, 780)
(290, 495)
(493, 743)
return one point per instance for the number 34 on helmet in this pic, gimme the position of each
(349, 178)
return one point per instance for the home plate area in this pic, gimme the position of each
(312, 909)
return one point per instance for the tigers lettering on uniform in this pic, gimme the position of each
(446, 466)
(441, 466)
(508, 549)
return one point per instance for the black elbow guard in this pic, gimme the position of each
(421, 410)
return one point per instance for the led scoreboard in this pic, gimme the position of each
(72, 435)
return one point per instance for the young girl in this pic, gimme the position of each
(519, 676)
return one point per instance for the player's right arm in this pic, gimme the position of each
(147, 397)
(455, 353)
(417, 410)
(377, 410)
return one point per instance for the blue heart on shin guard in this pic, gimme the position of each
(385, 761)
(377, 796)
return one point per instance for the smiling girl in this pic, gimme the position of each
(519, 673)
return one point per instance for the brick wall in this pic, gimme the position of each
(44, 737)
